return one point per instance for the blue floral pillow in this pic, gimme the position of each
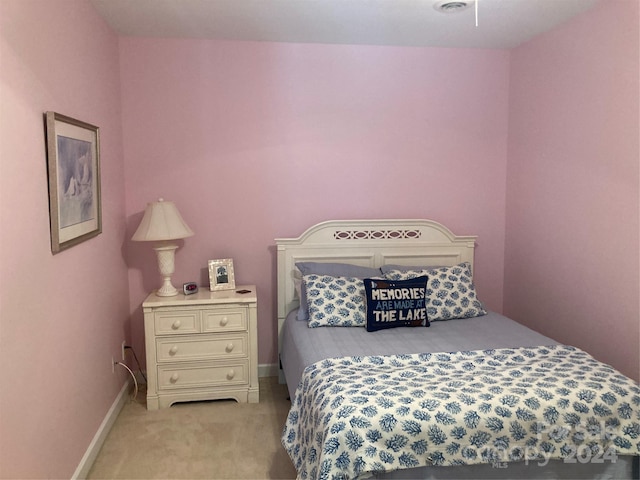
(450, 291)
(332, 269)
(335, 301)
(392, 303)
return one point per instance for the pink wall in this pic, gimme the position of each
(571, 262)
(255, 141)
(64, 316)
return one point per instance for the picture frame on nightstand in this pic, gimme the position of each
(221, 275)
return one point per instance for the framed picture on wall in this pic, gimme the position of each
(221, 276)
(73, 163)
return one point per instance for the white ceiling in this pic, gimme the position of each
(501, 23)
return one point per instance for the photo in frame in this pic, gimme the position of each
(73, 165)
(221, 276)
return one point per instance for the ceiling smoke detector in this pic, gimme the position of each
(452, 6)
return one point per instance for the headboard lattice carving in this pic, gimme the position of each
(375, 234)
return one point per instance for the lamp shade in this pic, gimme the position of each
(161, 221)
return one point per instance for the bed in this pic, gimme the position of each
(464, 398)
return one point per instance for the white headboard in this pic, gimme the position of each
(369, 243)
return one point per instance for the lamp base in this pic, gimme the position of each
(167, 290)
(166, 257)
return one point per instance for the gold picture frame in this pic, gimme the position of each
(221, 275)
(73, 164)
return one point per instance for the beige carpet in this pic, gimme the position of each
(213, 439)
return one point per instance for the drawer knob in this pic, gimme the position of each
(224, 321)
(229, 347)
(231, 374)
(174, 378)
(173, 350)
(176, 324)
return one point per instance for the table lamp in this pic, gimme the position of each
(162, 223)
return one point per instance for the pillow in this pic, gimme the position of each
(333, 269)
(334, 301)
(393, 303)
(450, 291)
(404, 268)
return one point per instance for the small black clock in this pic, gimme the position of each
(190, 288)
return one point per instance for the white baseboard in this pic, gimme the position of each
(268, 370)
(98, 439)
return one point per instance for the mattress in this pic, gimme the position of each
(303, 346)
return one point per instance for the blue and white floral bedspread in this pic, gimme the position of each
(354, 416)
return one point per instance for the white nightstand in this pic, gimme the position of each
(201, 347)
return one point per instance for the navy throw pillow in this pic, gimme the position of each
(396, 303)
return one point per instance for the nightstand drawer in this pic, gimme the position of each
(206, 375)
(176, 322)
(224, 320)
(201, 347)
